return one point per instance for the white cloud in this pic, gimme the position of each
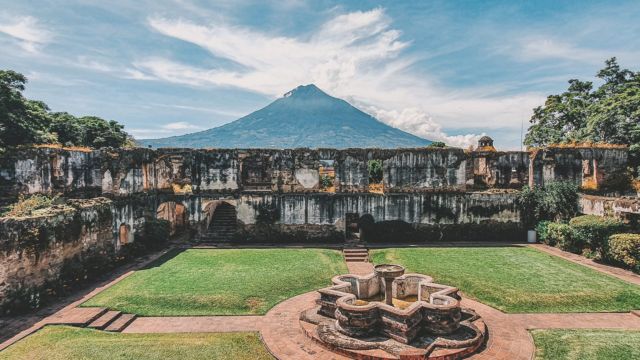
(357, 56)
(170, 129)
(27, 31)
(180, 125)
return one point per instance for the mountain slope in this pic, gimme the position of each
(304, 117)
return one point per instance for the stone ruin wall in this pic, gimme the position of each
(39, 254)
(429, 195)
(422, 187)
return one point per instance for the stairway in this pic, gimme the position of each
(223, 225)
(112, 320)
(356, 255)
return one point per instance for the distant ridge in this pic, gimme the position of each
(304, 117)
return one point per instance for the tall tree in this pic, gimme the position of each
(24, 121)
(21, 120)
(610, 113)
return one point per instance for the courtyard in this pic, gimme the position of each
(202, 303)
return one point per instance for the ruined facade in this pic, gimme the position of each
(260, 195)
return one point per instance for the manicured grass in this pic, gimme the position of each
(587, 344)
(222, 282)
(516, 279)
(64, 342)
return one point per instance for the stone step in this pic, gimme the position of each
(355, 251)
(121, 322)
(105, 320)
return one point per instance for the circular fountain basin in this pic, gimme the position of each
(389, 271)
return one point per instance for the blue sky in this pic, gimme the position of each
(443, 70)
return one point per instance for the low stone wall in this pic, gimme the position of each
(609, 206)
(39, 254)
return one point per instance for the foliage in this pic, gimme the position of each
(625, 249)
(541, 230)
(586, 344)
(609, 113)
(517, 279)
(24, 121)
(375, 171)
(554, 201)
(326, 181)
(156, 233)
(561, 235)
(21, 120)
(27, 205)
(66, 342)
(437, 144)
(221, 282)
(592, 232)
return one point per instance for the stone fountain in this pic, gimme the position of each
(389, 315)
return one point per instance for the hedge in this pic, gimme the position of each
(625, 249)
(593, 232)
(561, 235)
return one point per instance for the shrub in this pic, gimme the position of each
(326, 181)
(375, 171)
(542, 229)
(625, 249)
(593, 231)
(438, 144)
(27, 205)
(555, 201)
(562, 236)
(155, 234)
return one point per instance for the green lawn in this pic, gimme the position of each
(222, 282)
(517, 279)
(587, 344)
(64, 342)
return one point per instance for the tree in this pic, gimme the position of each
(21, 120)
(24, 121)
(610, 113)
(438, 144)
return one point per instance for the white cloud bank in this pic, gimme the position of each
(357, 56)
(27, 31)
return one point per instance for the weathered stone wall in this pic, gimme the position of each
(38, 254)
(609, 206)
(232, 171)
(593, 168)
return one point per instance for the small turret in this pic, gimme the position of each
(485, 144)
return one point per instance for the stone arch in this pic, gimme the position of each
(220, 220)
(124, 234)
(175, 213)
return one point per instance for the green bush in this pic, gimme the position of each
(541, 230)
(625, 249)
(27, 205)
(156, 233)
(562, 236)
(375, 171)
(556, 201)
(593, 231)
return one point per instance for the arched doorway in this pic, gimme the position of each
(222, 225)
(123, 234)
(174, 213)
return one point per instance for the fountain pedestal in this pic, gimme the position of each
(388, 272)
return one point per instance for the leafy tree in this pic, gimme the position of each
(375, 171)
(584, 114)
(24, 121)
(557, 201)
(438, 144)
(21, 120)
(609, 113)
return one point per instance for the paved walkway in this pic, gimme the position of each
(509, 337)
